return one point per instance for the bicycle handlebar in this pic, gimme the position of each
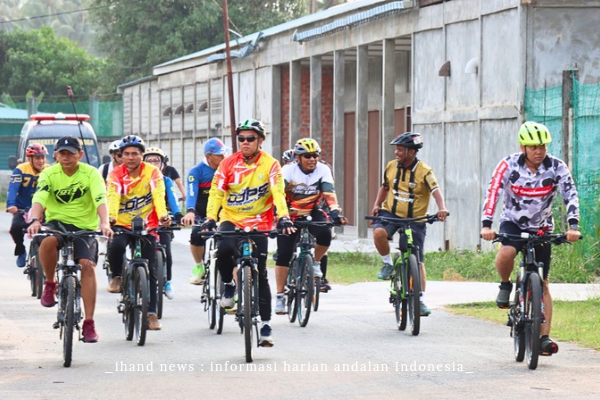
(52, 232)
(430, 219)
(303, 222)
(557, 239)
(240, 233)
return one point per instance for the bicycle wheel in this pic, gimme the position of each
(161, 272)
(127, 303)
(517, 328)
(292, 310)
(316, 294)
(413, 295)
(106, 267)
(219, 289)
(304, 290)
(39, 277)
(68, 304)
(140, 308)
(247, 310)
(397, 300)
(533, 319)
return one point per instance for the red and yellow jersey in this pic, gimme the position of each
(246, 194)
(143, 196)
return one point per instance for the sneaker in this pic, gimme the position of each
(115, 285)
(48, 298)
(503, 299)
(227, 300)
(385, 272)
(280, 305)
(424, 310)
(89, 331)
(22, 260)
(266, 340)
(317, 270)
(169, 290)
(548, 346)
(325, 285)
(197, 274)
(153, 323)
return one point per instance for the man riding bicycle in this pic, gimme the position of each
(529, 181)
(408, 184)
(246, 187)
(117, 159)
(307, 182)
(199, 180)
(74, 198)
(21, 188)
(136, 189)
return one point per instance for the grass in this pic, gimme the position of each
(573, 321)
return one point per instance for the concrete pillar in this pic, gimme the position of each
(339, 72)
(295, 97)
(276, 112)
(316, 77)
(361, 135)
(388, 100)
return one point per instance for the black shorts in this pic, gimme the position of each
(543, 251)
(83, 247)
(419, 231)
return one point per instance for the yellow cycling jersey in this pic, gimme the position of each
(143, 196)
(246, 194)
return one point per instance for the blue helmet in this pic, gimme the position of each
(133, 140)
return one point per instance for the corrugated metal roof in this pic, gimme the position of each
(13, 114)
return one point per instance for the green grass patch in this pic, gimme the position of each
(572, 321)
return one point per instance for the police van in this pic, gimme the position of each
(46, 129)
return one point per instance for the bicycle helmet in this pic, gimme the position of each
(411, 140)
(36, 149)
(306, 145)
(115, 147)
(155, 151)
(252, 125)
(533, 134)
(133, 140)
(287, 156)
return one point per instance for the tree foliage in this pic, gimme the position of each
(40, 62)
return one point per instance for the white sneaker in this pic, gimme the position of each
(317, 270)
(280, 305)
(169, 290)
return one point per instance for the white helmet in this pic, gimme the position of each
(115, 146)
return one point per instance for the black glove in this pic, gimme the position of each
(284, 223)
(334, 215)
(209, 225)
(177, 218)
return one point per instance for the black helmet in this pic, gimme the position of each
(411, 140)
(252, 125)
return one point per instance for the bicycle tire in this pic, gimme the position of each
(413, 295)
(304, 290)
(292, 310)
(517, 328)
(211, 302)
(533, 308)
(398, 301)
(40, 279)
(220, 288)
(68, 304)
(316, 294)
(160, 284)
(248, 311)
(127, 302)
(141, 305)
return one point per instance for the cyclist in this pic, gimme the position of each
(21, 188)
(136, 188)
(199, 180)
(408, 184)
(156, 157)
(172, 173)
(529, 181)
(246, 187)
(288, 157)
(117, 159)
(307, 182)
(74, 198)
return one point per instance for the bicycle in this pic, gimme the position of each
(405, 286)
(34, 270)
(135, 295)
(247, 284)
(526, 312)
(161, 269)
(303, 288)
(69, 313)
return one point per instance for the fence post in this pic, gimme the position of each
(31, 105)
(567, 114)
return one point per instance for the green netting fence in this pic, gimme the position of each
(546, 106)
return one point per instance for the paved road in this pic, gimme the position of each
(350, 349)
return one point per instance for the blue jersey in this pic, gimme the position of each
(171, 199)
(198, 185)
(22, 186)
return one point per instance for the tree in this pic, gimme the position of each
(39, 61)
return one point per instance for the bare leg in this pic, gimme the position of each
(48, 254)
(88, 287)
(380, 239)
(505, 260)
(545, 327)
(197, 253)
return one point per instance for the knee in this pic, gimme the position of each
(88, 267)
(380, 234)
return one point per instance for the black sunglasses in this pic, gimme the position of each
(248, 139)
(119, 155)
(308, 156)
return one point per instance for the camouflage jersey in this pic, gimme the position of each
(528, 195)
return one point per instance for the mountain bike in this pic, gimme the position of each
(161, 269)
(34, 270)
(405, 286)
(526, 312)
(302, 288)
(69, 313)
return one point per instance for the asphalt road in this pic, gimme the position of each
(351, 348)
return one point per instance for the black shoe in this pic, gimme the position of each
(503, 298)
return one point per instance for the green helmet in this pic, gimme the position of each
(533, 134)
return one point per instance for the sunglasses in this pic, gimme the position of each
(248, 139)
(311, 155)
(119, 155)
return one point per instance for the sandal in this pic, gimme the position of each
(548, 346)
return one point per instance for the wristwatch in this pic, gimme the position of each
(32, 220)
(574, 227)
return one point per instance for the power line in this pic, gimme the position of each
(52, 15)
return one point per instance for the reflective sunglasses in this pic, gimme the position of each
(248, 139)
(308, 156)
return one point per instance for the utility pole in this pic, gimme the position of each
(229, 78)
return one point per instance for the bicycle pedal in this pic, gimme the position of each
(120, 308)
(230, 311)
(56, 325)
(509, 322)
